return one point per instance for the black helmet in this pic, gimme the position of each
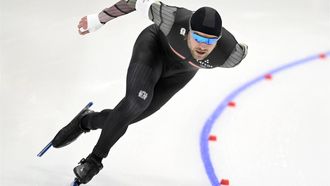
(206, 20)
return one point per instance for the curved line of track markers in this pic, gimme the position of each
(205, 135)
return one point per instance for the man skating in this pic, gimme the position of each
(166, 56)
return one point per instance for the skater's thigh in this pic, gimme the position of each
(147, 48)
(165, 89)
(145, 67)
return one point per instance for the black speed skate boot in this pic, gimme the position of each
(72, 131)
(87, 169)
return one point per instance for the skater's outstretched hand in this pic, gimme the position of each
(88, 24)
(82, 26)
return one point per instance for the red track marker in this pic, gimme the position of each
(323, 56)
(212, 138)
(268, 77)
(224, 182)
(232, 104)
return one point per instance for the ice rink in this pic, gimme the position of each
(275, 133)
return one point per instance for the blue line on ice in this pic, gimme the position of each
(204, 142)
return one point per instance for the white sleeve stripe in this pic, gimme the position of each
(231, 62)
(235, 57)
(163, 16)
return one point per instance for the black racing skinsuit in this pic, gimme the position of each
(154, 75)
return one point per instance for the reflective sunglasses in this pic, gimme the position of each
(206, 40)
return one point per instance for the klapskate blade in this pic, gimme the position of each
(85, 108)
(44, 150)
(75, 182)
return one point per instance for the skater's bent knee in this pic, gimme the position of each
(135, 104)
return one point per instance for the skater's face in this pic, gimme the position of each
(201, 44)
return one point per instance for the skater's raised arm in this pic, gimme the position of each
(158, 12)
(122, 7)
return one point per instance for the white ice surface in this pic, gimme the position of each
(278, 134)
